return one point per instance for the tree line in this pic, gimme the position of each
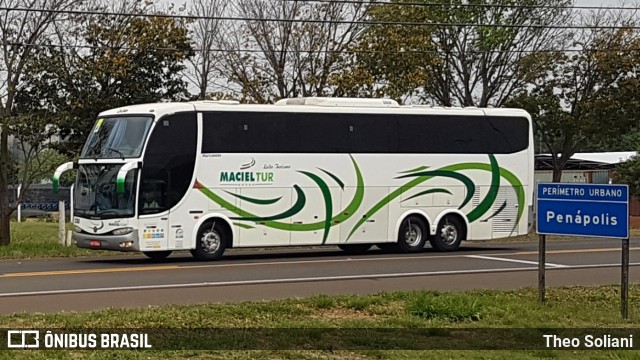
(64, 61)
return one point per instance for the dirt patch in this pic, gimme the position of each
(344, 313)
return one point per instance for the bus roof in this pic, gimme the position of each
(323, 105)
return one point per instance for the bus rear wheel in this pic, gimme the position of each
(157, 255)
(354, 248)
(412, 235)
(451, 231)
(211, 241)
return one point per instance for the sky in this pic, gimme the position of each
(599, 3)
(606, 3)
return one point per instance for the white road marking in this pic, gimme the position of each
(293, 280)
(291, 262)
(513, 260)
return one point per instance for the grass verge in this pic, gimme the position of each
(358, 322)
(39, 239)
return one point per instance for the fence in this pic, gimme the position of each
(40, 200)
(42, 197)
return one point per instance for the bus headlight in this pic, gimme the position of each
(77, 229)
(122, 231)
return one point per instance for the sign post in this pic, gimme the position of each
(624, 293)
(541, 265)
(593, 210)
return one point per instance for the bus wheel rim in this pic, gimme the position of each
(210, 241)
(449, 234)
(413, 235)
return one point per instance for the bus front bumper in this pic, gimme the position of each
(128, 242)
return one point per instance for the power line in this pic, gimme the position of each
(126, 48)
(468, 5)
(316, 21)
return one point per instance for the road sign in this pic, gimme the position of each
(583, 210)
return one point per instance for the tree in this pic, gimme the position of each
(33, 135)
(123, 60)
(204, 33)
(21, 33)
(461, 55)
(276, 54)
(629, 173)
(390, 60)
(588, 96)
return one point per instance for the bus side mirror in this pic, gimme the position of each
(59, 171)
(122, 174)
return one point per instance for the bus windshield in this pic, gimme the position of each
(95, 192)
(117, 137)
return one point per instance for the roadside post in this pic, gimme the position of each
(590, 210)
(62, 236)
(71, 203)
(20, 203)
(69, 239)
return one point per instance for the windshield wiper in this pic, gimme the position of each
(121, 154)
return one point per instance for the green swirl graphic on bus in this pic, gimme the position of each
(417, 176)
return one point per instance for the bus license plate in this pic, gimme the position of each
(95, 243)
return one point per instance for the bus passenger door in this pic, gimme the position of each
(154, 233)
(154, 215)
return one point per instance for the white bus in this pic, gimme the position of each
(209, 175)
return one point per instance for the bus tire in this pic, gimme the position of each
(157, 255)
(211, 241)
(355, 248)
(412, 235)
(450, 233)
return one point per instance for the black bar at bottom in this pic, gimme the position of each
(327, 339)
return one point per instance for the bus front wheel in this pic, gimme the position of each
(450, 233)
(211, 241)
(412, 235)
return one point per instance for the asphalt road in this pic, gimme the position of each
(133, 281)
